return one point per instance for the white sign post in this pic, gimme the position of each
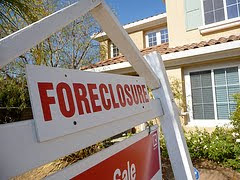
(170, 122)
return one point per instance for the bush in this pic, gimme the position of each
(220, 146)
(14, 98)
(236, 115)
(14, 93)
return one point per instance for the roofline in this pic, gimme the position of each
(138, 25)
(218, 51)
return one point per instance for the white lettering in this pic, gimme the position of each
(127, 174)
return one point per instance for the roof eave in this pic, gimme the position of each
(203, 54)
(138, 25)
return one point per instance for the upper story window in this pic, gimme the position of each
(164, 35)
(156, 37)
(219, 10)
(114, 51)
(152, 39)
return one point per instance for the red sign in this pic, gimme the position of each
(138, 161)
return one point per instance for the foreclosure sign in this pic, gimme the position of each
(66, 101)
(136, 158)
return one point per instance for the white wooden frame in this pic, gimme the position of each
(211, 67)
(22, 152)
(20, 137)
(93, 160)
(170, 122)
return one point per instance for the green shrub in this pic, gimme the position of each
(198, 143)
(14, 93)
(235, 118)
(163, 147)
(14, 98)
(220, 146)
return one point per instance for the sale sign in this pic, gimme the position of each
(66, 101)
(136, 158)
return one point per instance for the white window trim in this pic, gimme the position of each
(111, 53)
(217, 26)
(229, 23)
(203, 122)
(158, 36)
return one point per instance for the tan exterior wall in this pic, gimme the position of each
(104, 46)
(177, 31)
(138, 39)
(175, 73)
(208, 129)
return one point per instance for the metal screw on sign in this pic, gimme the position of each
(197, 174)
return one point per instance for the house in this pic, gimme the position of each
(200, 45)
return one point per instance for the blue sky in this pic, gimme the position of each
(129, 11)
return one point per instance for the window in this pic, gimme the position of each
(212, 93)
(164, 35)
(157, 37)
(219, 10)
(114, 51)
(152, 39)
(202, 95)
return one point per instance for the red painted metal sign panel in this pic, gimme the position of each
(138, 161)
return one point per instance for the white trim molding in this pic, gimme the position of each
(213, 49)
(141, 24)
(210, 28)
(111, 67)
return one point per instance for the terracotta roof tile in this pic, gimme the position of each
(164, 49)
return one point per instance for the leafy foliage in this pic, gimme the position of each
(236, 115)
(221, 146)
(71, 47)
(14, 100)
(13, 93)
(176, 87)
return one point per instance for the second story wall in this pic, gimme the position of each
(189, 22)
(144, 33)
(137, 37)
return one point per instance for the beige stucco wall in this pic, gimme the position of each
(175, 73)
(137, 38)
(104, 45)
(176, 27)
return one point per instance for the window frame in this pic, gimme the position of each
(158, 36)
(111, 52)
(188, 91)
(225, 15)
